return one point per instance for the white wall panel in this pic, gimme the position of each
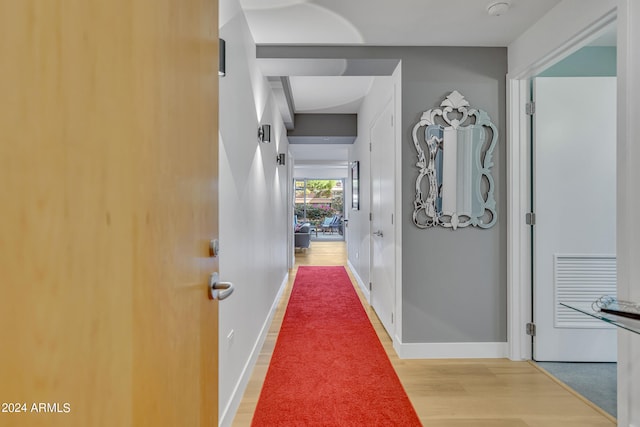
(254, 209)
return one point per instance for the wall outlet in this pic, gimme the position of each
(357, 255)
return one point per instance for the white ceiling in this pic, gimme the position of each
(329, 94)
(390, 23)
(380, 23)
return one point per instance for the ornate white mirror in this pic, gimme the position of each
(455, 146)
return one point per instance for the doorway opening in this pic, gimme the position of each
(573, 246)
(320, 203)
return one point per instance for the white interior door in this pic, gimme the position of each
(574, 189)
(382, 206)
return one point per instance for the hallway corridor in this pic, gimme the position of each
(452, 392)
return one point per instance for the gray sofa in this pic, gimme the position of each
(302, 236)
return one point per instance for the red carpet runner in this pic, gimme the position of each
(329, 367)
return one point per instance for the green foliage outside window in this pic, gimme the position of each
(315, 214)
(318, 189)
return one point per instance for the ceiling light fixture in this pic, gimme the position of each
(497, 8)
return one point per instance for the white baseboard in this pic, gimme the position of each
(363, 287)
(452, 350)
(229, 412)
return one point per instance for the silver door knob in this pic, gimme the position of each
(378, 233)
(217, 289)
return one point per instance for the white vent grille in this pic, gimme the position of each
(579, 281)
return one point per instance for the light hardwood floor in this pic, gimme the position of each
(449, 393)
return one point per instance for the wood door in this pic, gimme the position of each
(382, 208)
(108, 199)
(575, 204)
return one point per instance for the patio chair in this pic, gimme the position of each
(326, 224)
(336, 224)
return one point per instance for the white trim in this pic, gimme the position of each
(518, 185)
(563, 30)
(291, 210)
(363, 287)
(628, 132)
(229, 412)
(518, 232)
(398, 219)
(452, 350)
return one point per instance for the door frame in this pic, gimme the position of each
(291, 211)
(519, 298)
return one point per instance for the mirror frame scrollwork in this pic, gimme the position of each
(456, 164)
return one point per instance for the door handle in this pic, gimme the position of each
(378, 233)
(219, 290)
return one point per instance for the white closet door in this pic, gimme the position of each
(574, 191)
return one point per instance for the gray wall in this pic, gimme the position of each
(325, 125)
(453, 282)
